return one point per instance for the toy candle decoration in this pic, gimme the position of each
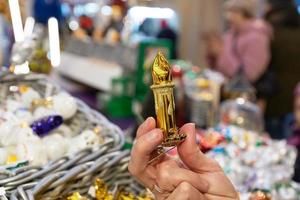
(164, 101)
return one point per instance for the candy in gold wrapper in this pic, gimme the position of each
(76, 196)
(260, 195)
(101, 190)
(164, 101)
(123, 195)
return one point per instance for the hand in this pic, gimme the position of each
(200, 178)
(214, 45)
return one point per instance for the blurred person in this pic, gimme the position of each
(168, 33)
(116, 21)
(284, 17)
(193, 177)
(295, 138)
(245, 47)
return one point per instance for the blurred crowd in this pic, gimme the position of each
(265, 51)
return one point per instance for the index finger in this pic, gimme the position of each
(148, 125)
(142, 149)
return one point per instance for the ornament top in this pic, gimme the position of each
(161, 70)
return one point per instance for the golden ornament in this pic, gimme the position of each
(164, 101)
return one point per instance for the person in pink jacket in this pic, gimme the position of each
(246, 44)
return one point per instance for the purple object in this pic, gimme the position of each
(45, 125)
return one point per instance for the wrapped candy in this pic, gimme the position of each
(64, 105)
(101, 191)
(45, 125)
(253, 161)
(210, 140)
(34, 152)
(260, 195)
(76, 196)
(47, 103)
(24, 115)
(19, 135)
(42, 112)
(57, 146)
(29, 96)
(87, 139)
(26, 121)
(3, 155)
(66, 132)
(13, 105)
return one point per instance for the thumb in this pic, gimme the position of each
(191, 155)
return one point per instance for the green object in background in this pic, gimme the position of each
(120, 107)
(120, 102)
(146, 54)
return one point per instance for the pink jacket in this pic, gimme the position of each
(253, 47)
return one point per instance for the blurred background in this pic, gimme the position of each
(234, 62)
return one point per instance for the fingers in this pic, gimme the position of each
(170, 176)
(141, 153)
(208, 169)
(148, 125)
(186, 191)
(191, 155)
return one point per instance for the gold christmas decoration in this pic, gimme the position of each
(76, 196)
(101, 190)
(164, 101)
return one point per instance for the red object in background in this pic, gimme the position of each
(209, 140)
(86, 22)
(164, 24)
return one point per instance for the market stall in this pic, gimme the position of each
(54, 146)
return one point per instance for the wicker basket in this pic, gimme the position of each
(112, 168)
(61, 171)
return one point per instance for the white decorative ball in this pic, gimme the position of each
(56, 146)
(20, 135)
(87, 139)
(64, 105)
(65, 131)
(34, 152)
(24, 116)
(13, 105)
(3, 156)
(28, 96)
(5, 131)
(42, 112)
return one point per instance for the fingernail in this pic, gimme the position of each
(153, 135)
(147, 121)
(194, 125)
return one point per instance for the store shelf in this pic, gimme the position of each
(96, 73)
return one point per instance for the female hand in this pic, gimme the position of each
(196, 177)
(214, 44)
